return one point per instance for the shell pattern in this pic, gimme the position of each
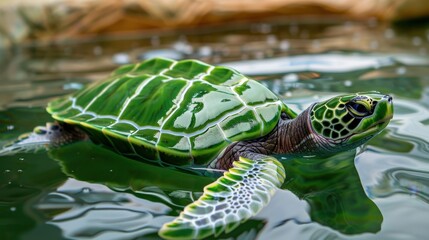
(175, 112)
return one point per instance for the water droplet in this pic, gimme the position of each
(167, 53)
(21, 159)
(348, 83)
(111, 170)
(73, 86)
(13, 209)
(10, 127)
(9, 182)
(205, 51)
(86, 190)
(121, 58)
(7, 171)
(292, 77)
(401, 70)
(20, 171)
(183, 47)
(284, 45)
(417, 41)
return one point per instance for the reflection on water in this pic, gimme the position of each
(403, 181)
(95, 212)
(332, 188)
(85, 191)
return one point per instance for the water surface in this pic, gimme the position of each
(84, 191)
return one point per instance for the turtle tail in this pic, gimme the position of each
(43, 137)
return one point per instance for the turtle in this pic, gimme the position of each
(191, 115)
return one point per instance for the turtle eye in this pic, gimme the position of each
(39, 130)
(357, 109)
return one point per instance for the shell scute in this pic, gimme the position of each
(236, 125)
(111, 103)
(81, 118)
(174, 149)
(100, 123)
(224, 76)
(69, 114)
(87, 96)
(122, 128)
(123, 70)
(207, 144)
(61, 104)
(144, 141)
(188, 69)
(117, 140)
(196, 110)
(268, 114)
(149, 136)
(249, 93)
(153, 66)
(154, 102)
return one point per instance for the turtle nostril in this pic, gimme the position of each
(388, 97)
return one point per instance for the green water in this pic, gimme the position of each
(83, 191)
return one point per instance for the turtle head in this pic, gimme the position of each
(347, 121)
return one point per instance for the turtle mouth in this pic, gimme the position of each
(375, 127)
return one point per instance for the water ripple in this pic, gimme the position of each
(402, 181)
(99, 213)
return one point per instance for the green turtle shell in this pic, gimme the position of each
(176, 112)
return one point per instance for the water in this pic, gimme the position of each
(83, 191)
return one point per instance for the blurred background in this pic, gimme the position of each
(28, 21)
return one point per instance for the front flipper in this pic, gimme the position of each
(233, 198)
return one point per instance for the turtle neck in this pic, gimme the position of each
(296, 136)
(290, 136)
